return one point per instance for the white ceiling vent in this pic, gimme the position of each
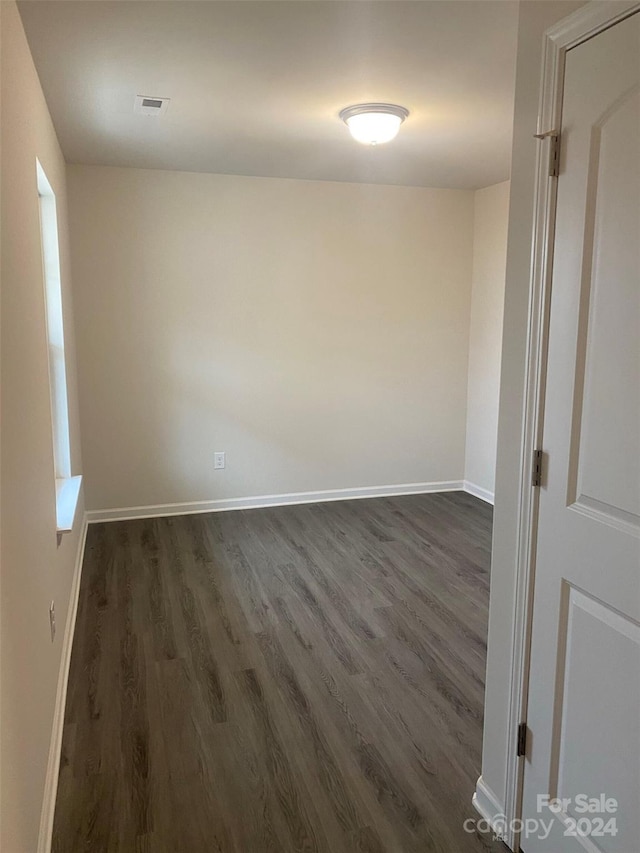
(147, 106)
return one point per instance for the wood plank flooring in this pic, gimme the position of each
(304, 678)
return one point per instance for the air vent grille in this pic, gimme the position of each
(147, 106)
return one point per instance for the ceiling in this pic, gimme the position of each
(256, 87)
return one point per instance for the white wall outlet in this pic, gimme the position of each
(218, 459)
(52, 620)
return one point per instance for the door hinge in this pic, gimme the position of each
(554, 150)
(536, 468)
(522, 740)
(554, 155)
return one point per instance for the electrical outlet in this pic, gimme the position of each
(218, 460)
(52, 620)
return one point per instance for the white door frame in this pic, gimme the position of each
(596, 16)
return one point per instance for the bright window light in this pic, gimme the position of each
(67, 487)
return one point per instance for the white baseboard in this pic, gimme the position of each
(53, 765)
(227, 504)
(488, 806)
(478, 492)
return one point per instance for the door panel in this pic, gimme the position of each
(584, 693)
(608, 424)
(596, 637)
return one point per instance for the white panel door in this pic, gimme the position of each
(584, 700)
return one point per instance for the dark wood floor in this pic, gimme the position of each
(300, 678)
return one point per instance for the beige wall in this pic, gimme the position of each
(490, 221)
(316, 332)
(535, 17)
(34, 570)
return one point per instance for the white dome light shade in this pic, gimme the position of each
(373, 124)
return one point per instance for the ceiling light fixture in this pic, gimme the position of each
(373, 124)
